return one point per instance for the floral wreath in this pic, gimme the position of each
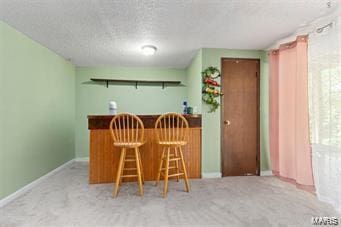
(210, 87)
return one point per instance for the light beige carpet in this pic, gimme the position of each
(66, 199)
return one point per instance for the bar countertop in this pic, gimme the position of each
(103, 121)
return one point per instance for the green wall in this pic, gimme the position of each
(37, 111)
(211, 162)
(2, 71)
(194, 82)
(93, 98)
(264, 113)
(211, 121)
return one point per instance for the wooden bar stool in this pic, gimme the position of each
(172, 134)
(127, 131)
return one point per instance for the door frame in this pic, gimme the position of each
(222, 114)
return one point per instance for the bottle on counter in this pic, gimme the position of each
(112, 108)
(184, 107)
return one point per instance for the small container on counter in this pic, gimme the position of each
(189, 110)
(112, 108)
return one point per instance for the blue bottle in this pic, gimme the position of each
(184, 107)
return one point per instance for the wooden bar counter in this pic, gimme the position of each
(104, 156)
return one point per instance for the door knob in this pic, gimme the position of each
(227, 122)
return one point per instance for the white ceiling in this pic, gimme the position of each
(111, 32)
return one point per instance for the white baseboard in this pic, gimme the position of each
(83, 159)
(218, 174)
(34, 183)
(211, 175)
(266, 173)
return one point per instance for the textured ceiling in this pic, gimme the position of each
(111, 32)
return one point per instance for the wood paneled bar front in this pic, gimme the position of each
(104, 157)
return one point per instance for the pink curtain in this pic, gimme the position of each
(289, 125)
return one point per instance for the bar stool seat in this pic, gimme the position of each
(127, 131)
(172, 143)
(128, 145)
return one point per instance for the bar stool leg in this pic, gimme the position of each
(119, 172)
(141, 167)
(139, 177)
(160, 167)
(165, 189)
(176, 155)
(184, 169)
(123, 164)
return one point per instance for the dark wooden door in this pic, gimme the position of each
(240, 117)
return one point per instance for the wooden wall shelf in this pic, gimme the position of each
(138, 82)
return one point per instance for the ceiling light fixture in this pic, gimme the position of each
(149, 50)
